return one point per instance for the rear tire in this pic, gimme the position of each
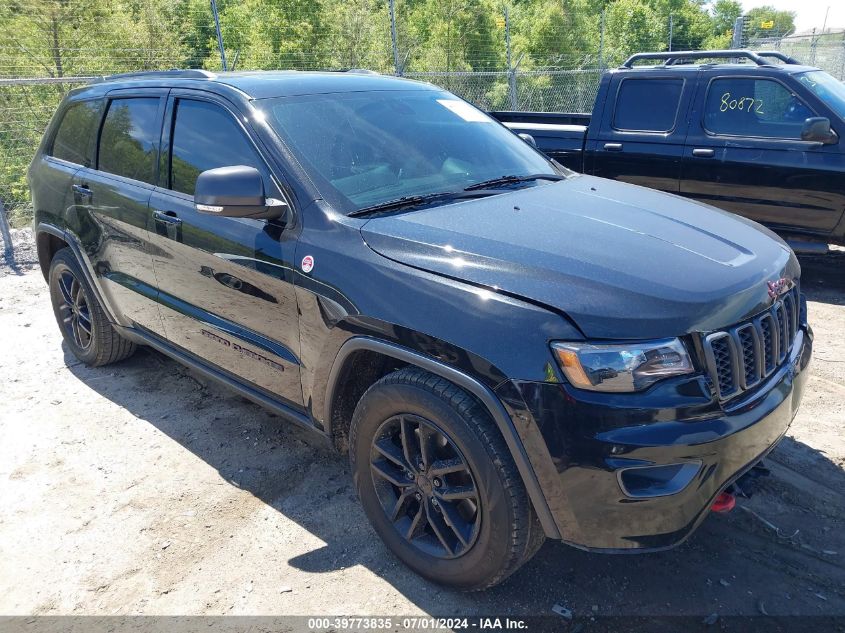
(455, 512)
(81, 319)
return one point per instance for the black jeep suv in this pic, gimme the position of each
(508, 350)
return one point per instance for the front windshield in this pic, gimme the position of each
(826, 88)
(366, 148)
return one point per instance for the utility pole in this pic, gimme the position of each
(671, 30)
(601, 38)
(511, 69)
(219, 34)
(397, 65)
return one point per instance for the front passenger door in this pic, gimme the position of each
(225, 284)
(744, 154)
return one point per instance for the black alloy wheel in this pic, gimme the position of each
(425, 486)
(74, 310)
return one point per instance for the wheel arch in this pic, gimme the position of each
(48, 242)
(49, 236)
(392, 356)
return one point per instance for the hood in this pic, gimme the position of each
(623, 262)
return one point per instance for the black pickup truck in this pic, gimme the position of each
(759, 138)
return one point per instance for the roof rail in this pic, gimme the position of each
(174, 73)
(786, 59)
(671, 57)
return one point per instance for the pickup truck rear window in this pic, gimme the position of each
(73, 138)
(647, 105)
(760, 108)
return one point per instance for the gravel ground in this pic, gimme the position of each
(141, 489)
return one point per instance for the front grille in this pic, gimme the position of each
(740, 357)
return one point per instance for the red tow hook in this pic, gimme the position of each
(725, 502)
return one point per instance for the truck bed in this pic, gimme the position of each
(558, 135)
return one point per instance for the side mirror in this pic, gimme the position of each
(235, 192)
(817, 129)
(528, 139)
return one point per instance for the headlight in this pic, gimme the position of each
(626, 367)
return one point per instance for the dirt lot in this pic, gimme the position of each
(141, 489)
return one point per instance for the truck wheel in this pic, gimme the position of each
(84, 326)
(437, 482)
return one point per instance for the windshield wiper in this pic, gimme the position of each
(509, 180)
(408, 202)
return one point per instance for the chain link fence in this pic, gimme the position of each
(827, 50)
(529, 56)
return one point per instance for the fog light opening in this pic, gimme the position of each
(644, 482)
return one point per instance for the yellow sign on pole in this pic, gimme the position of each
(767, 24)
(500, 21)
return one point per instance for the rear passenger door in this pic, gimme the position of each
(70, 149)
(226, 284)
(745, 154)
(642, 130)
(111, 200)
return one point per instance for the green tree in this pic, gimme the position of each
(723, 15)
(361, 33)
(766, 21)
(633, 26)
(559, 33)
(271, 34)
(453, 35)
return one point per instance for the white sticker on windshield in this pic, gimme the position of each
(464, 110)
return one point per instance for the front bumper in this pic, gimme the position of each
(581, 442)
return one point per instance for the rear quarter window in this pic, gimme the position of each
(647, 105)
(73, 139)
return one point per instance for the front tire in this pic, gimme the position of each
(438, 483)
(81, 319)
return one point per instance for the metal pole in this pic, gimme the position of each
(736, 40)
(671, 29)
(842, 67)
(219, 34)
(814, 40)
(601, 38)
(511, 69)
(7, 234)
(396, 63)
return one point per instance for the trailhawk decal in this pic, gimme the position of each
(243, 351)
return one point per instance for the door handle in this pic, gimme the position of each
(167, 217)
(82, 190)
(613, 147)
(703, 153)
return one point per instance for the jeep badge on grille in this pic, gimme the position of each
(780, 287)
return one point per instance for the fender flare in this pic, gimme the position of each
(484, 394)
(83, 261)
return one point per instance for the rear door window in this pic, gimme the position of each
(762, 108)
(73, 140)
(129, 138)
(195, 150)
(647, 105)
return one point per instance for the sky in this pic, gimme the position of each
(810, 13)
